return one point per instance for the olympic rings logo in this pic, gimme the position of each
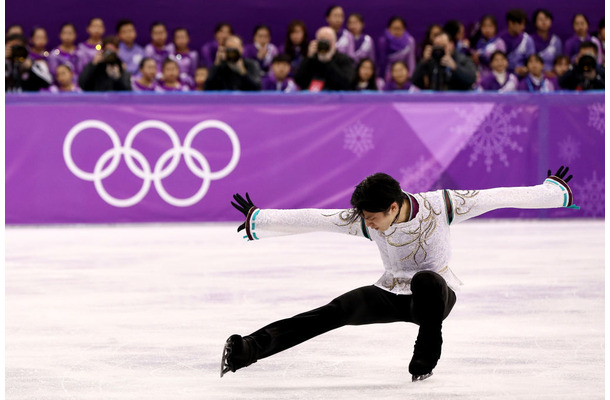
(145, 173)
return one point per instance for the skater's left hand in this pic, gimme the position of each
(243, 206)
(561, 173)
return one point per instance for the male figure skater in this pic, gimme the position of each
(412, 233)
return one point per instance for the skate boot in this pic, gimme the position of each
(426, 353)
(237, 353)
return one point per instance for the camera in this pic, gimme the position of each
(232, 54)
(19, 53)
(437, 53)
(323, 46)
(586, 63)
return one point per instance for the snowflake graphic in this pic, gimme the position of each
(597, 114)
(494, 136)
(421, 176)
(589, 195)
(473, 117)
(569, 149)
(358, 139)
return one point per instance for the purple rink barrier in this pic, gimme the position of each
(101, 158)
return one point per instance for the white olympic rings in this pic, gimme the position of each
(158, 173)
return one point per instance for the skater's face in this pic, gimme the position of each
(380, 221)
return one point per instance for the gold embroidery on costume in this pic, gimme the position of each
(462, 195)
(346, 217)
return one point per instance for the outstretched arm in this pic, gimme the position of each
(262, 223)
(554, 192)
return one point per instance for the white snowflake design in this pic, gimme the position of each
(569, 149)
(494, 136)
(589, 195)
(597, 115)
(473, 117)
(420, 176)
(358, 139)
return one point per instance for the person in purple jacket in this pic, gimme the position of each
(535, 81)
(187, 59)
(366, 78)
(548, 46)
(519, 45)
(93, 45)
(208, 51)
(277, 79)
(261, 49)
(129, 51)
(364, 45)
(487, 42)
(580, 24)
(345, 41)
(396, 44)
(499, 79)
(65, 53)
(170, 78)
(296, 43)
(146, 81)
(38, 44)
(400, 79)
(158, 49)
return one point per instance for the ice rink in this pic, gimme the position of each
(142, 312)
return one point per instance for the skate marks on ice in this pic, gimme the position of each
(143, 311)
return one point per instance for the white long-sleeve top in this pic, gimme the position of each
(422, 243)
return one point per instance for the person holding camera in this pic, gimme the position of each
(231, 71)
(325, 68)
(106, 71)
(21, 73)
(444, 68)
(585, 73)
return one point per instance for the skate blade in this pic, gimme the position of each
(416, 378)
(224, 364)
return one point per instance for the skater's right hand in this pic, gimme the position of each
(243, 206)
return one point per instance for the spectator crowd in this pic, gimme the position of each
(339, 56)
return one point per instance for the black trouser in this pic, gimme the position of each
(429, 305)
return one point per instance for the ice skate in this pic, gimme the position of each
(426, 353)
(416, 378)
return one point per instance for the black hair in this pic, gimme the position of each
(110, 40)
(122, 23)
(144, 60)
(358, 16)
(67, 24)
(220, 25)
(372, 82)
(168, 61)
(16, 36)
(587, 44)
(536, 56)
(259, 27)
(516, 15)
(560, 57)
(180, 28)
(93, 19)
(283, 57)
(157, 23)
(580, 15)
(544, 11)
(497, 52)
(289, 48)
(478, 34)
(602, 24)
(64, 65)
(399, 62)
(37, 28)
(375, 193)
(397, 18)
(452, 27)
(331, 8)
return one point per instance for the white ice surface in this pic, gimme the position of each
(142, 312)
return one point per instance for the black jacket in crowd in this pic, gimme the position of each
(226, 77)
(429, 75)
(337, 74)
(94, 78)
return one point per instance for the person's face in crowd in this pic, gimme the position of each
(488, 29)
(543, 23)
(280, 70)
(14, 30)
(516, 28)
(443, 41)
(233, 42)
(158, 35)
(396, 28)
(262, 37)
(170, 73)
(561, 66)
(585, 51)
(354, 25)
(181, 39)
(461, 33)
(223, 33)
(39, 39)
(499, 63)
(400, 73)
(127, 34)
(327, 34)
(581, 27)
(96, 29)
(380, 221)
(201, 75)
(365, 72)
(8, 47)
(149, 70)
(434, 32)
(297, 35)
(67, 35)
(335, 18)
(534, 66)
(63, 75)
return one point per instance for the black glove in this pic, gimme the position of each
(561, 173)
(244, 206)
